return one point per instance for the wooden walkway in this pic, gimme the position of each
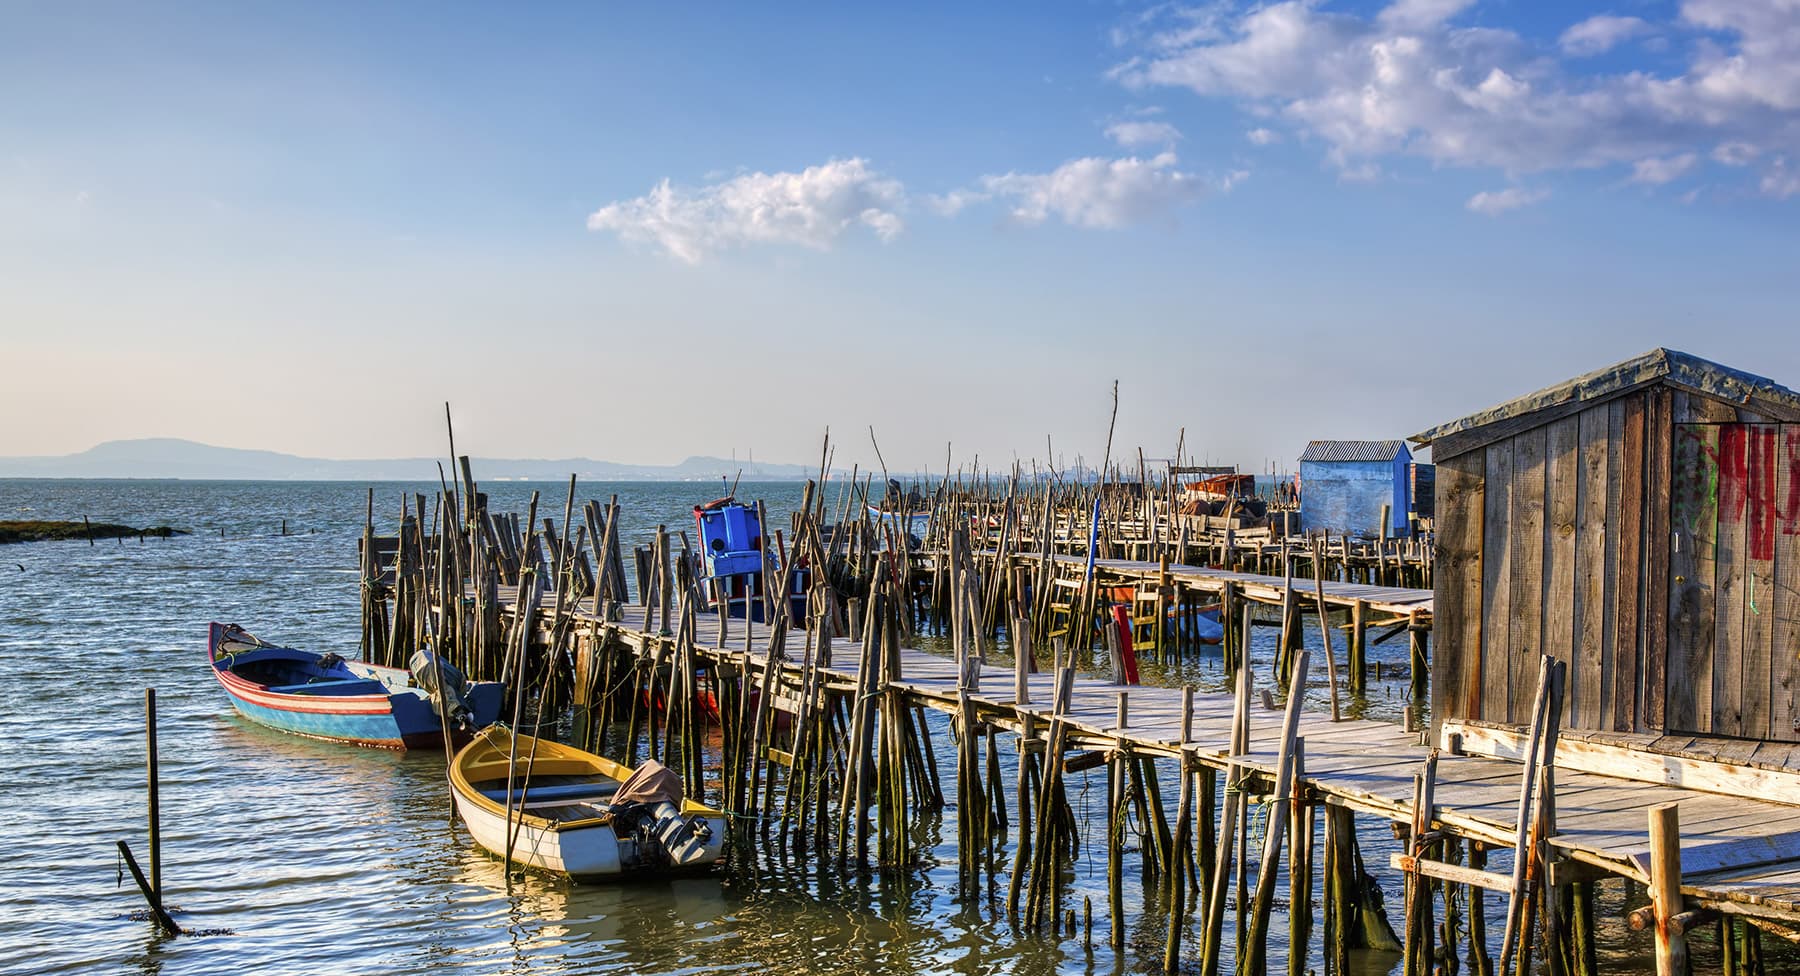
(1738, 855)
(1397, 600)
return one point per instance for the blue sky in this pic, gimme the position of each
(641, 233)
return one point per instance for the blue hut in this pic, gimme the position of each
(1343, 485)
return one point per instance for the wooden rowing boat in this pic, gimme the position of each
(324, 696)
(575, 813)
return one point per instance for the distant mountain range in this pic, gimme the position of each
(168, 457)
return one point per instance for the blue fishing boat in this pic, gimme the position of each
(326, 697)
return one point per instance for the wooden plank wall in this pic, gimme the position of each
(1542, 549)
(1651, 541)
(1784, 679)
(1734, 569)
(1456, 677)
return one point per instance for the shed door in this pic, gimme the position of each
(1734, 581)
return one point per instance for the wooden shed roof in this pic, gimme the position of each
(1658, 365)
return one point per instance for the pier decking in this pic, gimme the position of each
(1737, 854)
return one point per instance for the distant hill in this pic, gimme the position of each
(168, 457)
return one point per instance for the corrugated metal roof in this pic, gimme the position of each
(1680, 368)
(1352, 450)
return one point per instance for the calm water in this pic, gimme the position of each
(326, 859)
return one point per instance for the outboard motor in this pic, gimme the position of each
(683, 840)
(648, 804)
(441, 683)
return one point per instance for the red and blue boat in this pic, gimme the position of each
(327, 697)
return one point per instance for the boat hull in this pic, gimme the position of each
(582, 853)
(585, 845)
(389, 718)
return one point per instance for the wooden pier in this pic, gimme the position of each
(1518, 797)
(1735, 852)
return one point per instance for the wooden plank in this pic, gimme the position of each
(1615, 500)
(1730, 603)
(1693, 513)
(1456, 624)
(1627, 649)
(1758, 646)
(1526, 535)
(1593, 653)
(1450, 872)
(1657, 440)
(1496, 583)
(1562, 474)
(1784, 677)
(1729, 779)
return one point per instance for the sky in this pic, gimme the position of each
(644, 232)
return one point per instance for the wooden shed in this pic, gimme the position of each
(1642, 524)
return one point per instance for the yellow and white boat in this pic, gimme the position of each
(576, 813)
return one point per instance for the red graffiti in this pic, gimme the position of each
(1790, 457)
(1760, 489)
(1732, 473)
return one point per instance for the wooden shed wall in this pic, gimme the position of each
(1542, 548)
(1734, 597)
(1652, 541)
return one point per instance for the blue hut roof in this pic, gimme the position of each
(1353, 450)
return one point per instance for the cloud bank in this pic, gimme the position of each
(1413, 80)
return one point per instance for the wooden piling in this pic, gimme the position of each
(1175, 875)
(1665, 889)
(154, 792)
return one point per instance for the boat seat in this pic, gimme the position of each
(333, 686)
(565, 791)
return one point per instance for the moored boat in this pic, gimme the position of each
(562, 810)
(327, 697)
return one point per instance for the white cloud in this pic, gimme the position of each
(1420, 14)
(1411, 80)
(1262, 137)
(1139, 133)
(1656, 172)
(1493, 203)
(952, 203)
(1102, 193)
(1779, 181)
(1734, 153)
(812, 208)
(1599, 34)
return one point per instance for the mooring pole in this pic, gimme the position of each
(155, 801)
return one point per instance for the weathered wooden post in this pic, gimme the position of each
(1665, 889)
(150, 765)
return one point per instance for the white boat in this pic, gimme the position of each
(572, 812)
